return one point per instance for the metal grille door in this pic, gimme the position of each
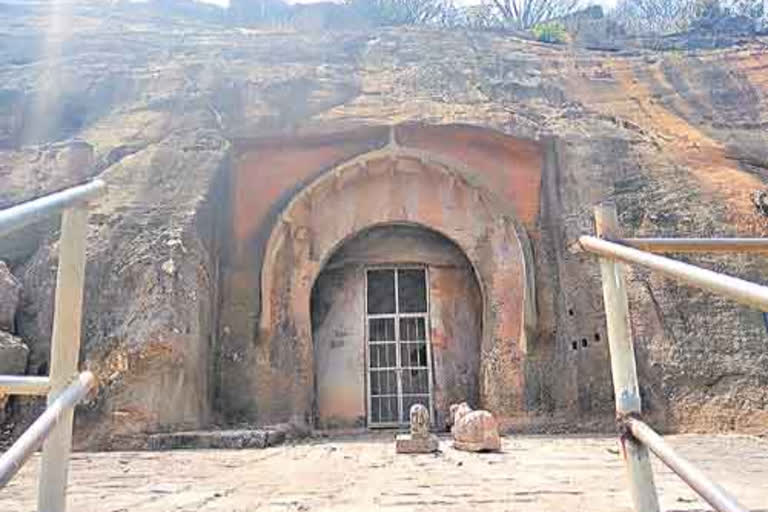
(398, 355)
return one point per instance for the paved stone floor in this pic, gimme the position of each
(363, 473)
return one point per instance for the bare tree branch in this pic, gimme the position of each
(523, 14)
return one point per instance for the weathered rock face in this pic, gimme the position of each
(677, 140)
(13, 352)
(10, 291)
(13, 361)
(13, 355)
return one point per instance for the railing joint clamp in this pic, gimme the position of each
(622, 423)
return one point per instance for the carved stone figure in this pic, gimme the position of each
(419, 440)
(474, 431)
(419, 421)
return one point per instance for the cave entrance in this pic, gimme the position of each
(396, 320)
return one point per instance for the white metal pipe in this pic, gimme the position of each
(65, 349)
(712, 245)
(13, 459)
(737, 289)
(24, 385)
(19, 216)
(699, 482)
(623, 367)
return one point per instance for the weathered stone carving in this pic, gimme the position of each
(419, 440)
(419, 421)
(474, 431)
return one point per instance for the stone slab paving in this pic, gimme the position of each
(363, 473)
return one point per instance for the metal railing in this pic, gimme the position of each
(637, 437)
(64, 387)
(13, 459)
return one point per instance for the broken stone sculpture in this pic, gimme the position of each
(474, 431)
(419, 440)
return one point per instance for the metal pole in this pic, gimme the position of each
(623, 368)
(65, 349)
(716, 245)
(706, 488)
(16, 217)
(13, 459)
(23, 385)
(737, 289)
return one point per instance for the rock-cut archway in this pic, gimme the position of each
(396, 320)
(390, 187)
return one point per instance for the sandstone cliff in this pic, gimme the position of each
(678, 138)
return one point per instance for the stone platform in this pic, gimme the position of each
(217, 439)
(408, 443)
(362, 473)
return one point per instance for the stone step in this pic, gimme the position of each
(236, 439)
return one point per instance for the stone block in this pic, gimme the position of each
(408, 443)
(491, 445)
(217, 439)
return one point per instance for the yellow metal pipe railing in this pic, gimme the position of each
(689, 245)
(24, 385)
(742, 291)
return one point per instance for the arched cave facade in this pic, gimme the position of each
(385, 189)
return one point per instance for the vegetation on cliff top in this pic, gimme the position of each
(554, 21)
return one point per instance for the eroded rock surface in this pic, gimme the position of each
(10, 291)
(151, 105)
(13, 355)
(13, 361)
